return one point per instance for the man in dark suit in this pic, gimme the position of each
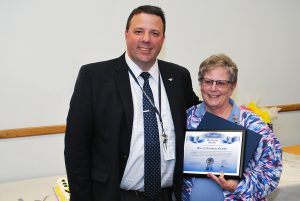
(104, 142)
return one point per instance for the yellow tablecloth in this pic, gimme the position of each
(293, 149)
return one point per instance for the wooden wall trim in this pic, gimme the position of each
(46, 130)
(287, 108)
(32, 131)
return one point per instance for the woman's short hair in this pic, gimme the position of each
(219, 60)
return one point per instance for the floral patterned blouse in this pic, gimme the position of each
(263, 172)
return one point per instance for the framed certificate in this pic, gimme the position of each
(214, 151)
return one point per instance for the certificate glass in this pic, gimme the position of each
(214, 151)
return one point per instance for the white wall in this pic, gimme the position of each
(44, 43)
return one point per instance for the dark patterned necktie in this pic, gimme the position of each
(152, 176)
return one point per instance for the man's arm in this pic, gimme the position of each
(192, 98)
(78, 139)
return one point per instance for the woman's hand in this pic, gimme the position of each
(229, 185)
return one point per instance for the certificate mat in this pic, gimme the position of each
(214, 151)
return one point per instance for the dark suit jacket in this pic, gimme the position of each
(99, 126)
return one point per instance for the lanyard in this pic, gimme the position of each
(164, 136)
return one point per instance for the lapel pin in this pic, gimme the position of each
(170, 79)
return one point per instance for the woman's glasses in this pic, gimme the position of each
(219, 83)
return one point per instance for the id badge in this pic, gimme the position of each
(168, 150)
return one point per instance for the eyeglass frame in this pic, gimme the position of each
(224, 83)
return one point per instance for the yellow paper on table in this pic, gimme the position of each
(61, 190)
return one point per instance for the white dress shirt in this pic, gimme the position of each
(133, 177)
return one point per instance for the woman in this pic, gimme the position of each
(218, 78)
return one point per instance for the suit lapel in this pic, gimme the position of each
(168, 78)
(170, 81)
(123, 84)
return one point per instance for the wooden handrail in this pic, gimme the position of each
(45, 130)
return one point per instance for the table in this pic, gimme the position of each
(289, 185)
(40, 189)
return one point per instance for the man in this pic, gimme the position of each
(104, 144)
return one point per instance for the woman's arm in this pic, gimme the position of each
(262, 175)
